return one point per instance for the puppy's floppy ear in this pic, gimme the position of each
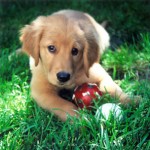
(91, 54)
(103, 38)
(30, 37)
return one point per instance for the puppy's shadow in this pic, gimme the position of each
(66, 94)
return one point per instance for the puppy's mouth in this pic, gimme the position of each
(67, 85)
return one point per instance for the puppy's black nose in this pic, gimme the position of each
(63, 76)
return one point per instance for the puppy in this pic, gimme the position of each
(65, 50)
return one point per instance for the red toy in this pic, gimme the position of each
(85, 93)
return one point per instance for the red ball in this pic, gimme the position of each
(85, 94)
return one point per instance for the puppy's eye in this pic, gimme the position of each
(51, 48)
(74, 51)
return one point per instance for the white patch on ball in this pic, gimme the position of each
(86, 93)
(73, 97)
(105, 111)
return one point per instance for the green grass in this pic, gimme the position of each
(23, 125)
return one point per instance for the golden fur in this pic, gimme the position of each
(66, 30)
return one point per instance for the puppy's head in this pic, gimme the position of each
(61, 47)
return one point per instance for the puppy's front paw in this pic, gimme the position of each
(137, 100)
(131, 101)
(68, 110)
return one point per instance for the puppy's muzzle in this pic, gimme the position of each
(63, 76)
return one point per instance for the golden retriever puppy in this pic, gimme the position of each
(65, 50)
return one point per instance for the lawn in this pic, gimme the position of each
(25, 126)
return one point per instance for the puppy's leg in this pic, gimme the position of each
(98, 74)
(48, 99)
